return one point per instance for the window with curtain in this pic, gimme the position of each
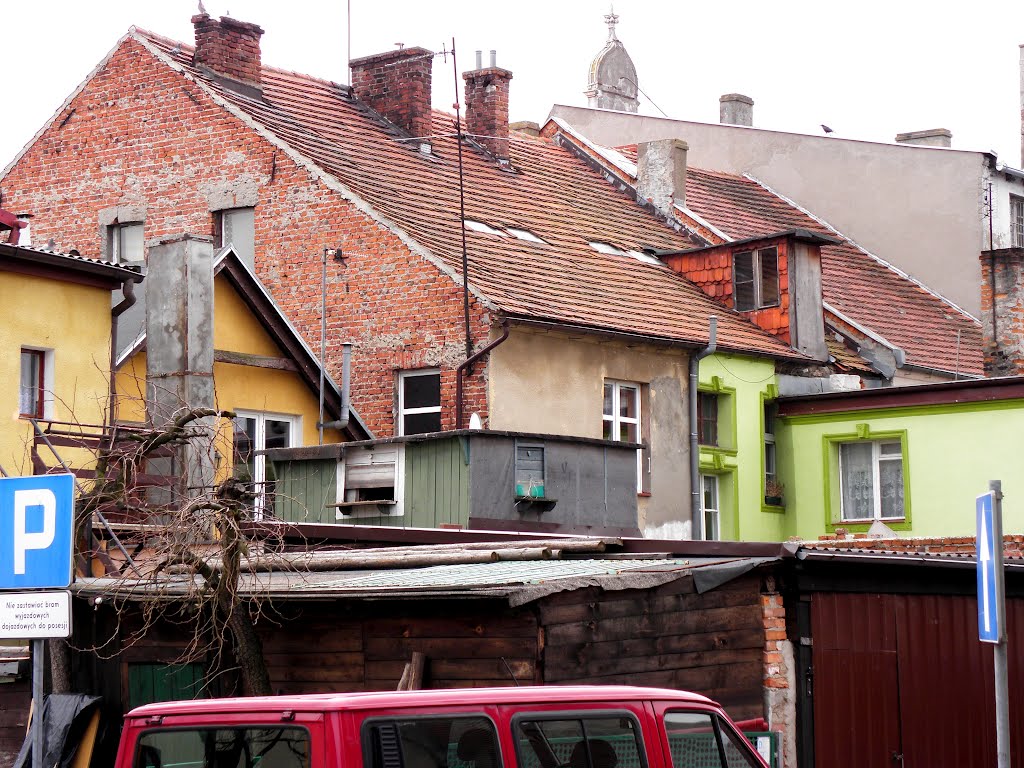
(871, 480)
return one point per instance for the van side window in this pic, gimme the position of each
(587, 742)
(702, 739)
(431, 742)
(268, 746)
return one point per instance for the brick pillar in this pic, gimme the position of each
(1002, 311)
(397, 84)
(779, 675)
(487, 109)
(228, 47)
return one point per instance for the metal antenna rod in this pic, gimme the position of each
(462, 211)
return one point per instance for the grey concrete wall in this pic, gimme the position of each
(920, 208)
(594, 485)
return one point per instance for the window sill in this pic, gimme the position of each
(644, 494)
(777, 509)
(862, 525)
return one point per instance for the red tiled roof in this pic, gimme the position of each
(932, 332)
(950, 546)
(859, 286)
(551, 193)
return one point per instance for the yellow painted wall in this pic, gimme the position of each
(236, 387)
(73, 321)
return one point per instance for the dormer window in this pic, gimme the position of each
(755, 279)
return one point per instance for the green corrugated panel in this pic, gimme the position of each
(305, 489)
(436, 484)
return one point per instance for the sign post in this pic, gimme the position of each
(37, 518)
(992, 605)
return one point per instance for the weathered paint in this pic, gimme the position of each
(743, 384)
(305, 490)
(72, 320)
(951, 452)
(553, 383)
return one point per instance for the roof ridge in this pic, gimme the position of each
(878, 259)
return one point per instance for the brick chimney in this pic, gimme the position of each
(1002, 311)
(397, 85)
(661, 173)
(736, 109)
(487, 107)
(228, 48)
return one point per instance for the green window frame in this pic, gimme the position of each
(875, 455)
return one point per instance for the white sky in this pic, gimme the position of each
(868, 69)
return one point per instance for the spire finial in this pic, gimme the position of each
(611, 19)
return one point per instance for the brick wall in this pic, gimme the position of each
(779, 671)
(1002, 311)
(228, 47)
(487, 108)
(141, 135)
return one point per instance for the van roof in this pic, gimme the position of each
(424, 698)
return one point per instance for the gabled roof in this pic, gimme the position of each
(932, 331)
(549, 192)
(24, 258)
(226, 263)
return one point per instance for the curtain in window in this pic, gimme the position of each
(855, 462)
(890, 478)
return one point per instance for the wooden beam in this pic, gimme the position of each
(254, 361)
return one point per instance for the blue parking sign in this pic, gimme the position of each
(36, 531)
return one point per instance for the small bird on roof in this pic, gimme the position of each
(202, 8)
(826, 129)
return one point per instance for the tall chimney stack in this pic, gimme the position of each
(1002, 307)
(736, 109)
(397, 84)
(487, 107)
(661, 173)
(228, 48)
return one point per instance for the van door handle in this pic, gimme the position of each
(897, 757)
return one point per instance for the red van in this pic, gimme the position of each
(528, 727)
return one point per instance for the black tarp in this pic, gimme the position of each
(65, 718)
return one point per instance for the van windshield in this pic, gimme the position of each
(247, 747)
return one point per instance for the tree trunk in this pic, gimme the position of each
(248, 650)
(60, 666)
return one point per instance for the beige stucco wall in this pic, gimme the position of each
(548, 382)
(920, 208)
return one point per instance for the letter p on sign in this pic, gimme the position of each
(36, 529)
(23, 540)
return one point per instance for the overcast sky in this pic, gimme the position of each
(868, 69)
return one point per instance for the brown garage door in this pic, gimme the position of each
(902, 680)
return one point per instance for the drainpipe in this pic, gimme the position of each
(695, 505)
(128, 289)
(346, 375)
(460, 372)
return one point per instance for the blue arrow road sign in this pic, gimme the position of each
(36, 531)
(990, 560)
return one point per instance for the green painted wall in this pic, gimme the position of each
(304, 489)
(950, 453)
(743, 384)
(436, 484)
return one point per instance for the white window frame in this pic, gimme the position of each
(876, 486)
(114, 233)
(616, 420)
(758, 277)
(715, 511)
(771, 468)
(393, 454)
(1017, 221)
(402, 410)
(46, 384)
(223, 216)
(259, 461)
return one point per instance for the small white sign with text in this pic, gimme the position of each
(35, 615)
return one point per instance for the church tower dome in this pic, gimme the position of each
(612, 83)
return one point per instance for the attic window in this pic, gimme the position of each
(479, 226)
(602, 247)
(525, 234)
(755, 277)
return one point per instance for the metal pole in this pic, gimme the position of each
(323, 344)
(999, 649)
(38, 734)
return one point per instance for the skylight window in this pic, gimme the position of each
(525, 234)
(608, 248)
(479, 226)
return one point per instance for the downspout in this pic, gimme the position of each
(695, 505)
(128, 289)
(460, 372)
(346, 375)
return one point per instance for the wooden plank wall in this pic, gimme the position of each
(436, 484)
(304, 489)
(15, 698)
(667, 637)
(329, 647)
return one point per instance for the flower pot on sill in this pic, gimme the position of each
(774, 501)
